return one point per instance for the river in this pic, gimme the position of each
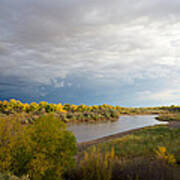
(90, 131)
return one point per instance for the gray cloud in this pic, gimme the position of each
(108, 41)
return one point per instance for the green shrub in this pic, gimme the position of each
(67, 107)
(50, 108)
(114, 114)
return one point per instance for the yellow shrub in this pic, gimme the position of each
(96, 165)
(161, 153)
(59, 108)
(25, 107)
(74, 107)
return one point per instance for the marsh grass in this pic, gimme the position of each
(151, 153)
(169, 117)
(144, 142)
(107, 166)
(94, 165)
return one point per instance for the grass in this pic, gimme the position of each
(169, 117)
(144, 143)
(150, 153)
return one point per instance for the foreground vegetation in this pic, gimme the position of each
(143, 142)
(35, 144)
(46, 150)
(151, 153)
(43, 150)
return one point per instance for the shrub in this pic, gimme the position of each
(114, 114)
(107, 115)
(67, 107)
(94, 166)
(43, 150)
(9, 129)
(33, 107)
(161, 153)
(50, 108)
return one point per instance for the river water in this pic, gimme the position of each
(90, 131)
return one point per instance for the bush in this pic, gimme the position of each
(106, 166)
(94, 166)
(161, 153)
(9, 129)
(114, 114)
(43, 150)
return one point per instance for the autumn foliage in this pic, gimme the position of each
(66, 112)
(43, 150)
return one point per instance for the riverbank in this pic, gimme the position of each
(84, 145)
(146, 153)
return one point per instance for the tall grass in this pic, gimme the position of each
(151, 153)
(143, 142)
(96, 165)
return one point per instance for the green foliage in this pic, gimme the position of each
(143, 142)
(114, 114)
(33, 107)
(43, 150)
(67, 107)
(50, 108)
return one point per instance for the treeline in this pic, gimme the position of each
(66, 112)
(77, 113)
(14, 106)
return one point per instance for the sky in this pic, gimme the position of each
(120, 52)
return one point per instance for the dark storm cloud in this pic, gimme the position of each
(110, 42)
